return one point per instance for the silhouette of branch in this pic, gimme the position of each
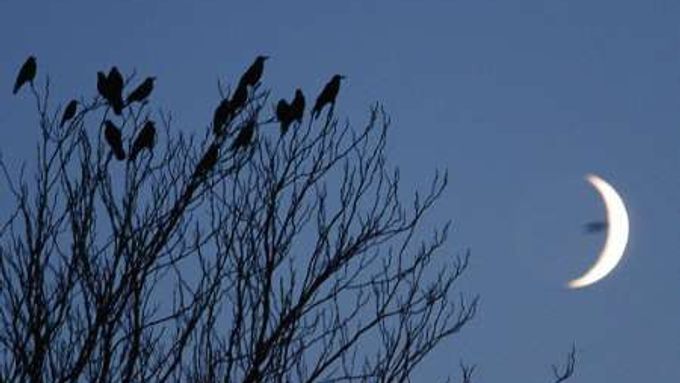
(284, 257)
(564, 373)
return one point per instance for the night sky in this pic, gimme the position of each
(519, 100)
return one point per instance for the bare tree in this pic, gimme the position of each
(282, 258)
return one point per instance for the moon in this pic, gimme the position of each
(617, 235)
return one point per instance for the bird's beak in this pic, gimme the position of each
(342, 77)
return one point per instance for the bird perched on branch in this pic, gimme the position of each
(26, 73)
(254, 73)
(327, 96)
(297, 107)
(142, 91)
(69, 112)
(114, 86)
(208, 161)
(103, 85)
(145, 139)
(245, 135)
(114, 139)
(222, 114)
(287, 113)
(284, 115)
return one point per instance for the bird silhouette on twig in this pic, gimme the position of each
(114, 139)
(284, 114)
(297, 107)
(26, 73)
(239, 97)
(146, 139)
(253, 74)
(142, 91)
(245, 135)
(103, 85)
(208, 161)
(287, 113)
(114, 86)
(327, 96)
(223, 113)
(69, 112)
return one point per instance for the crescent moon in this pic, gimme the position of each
(617, 234)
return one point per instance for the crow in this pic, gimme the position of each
(114, 84)
(208, 161)
(239, 98)
(254, 73)
(113, 138)
(327, 96)
(142, 91)
(103, 85)
(245, 136)
(222, 114)
(26, 73)
(145, 139)
(297, 107)
(69, 112)
(284, 114)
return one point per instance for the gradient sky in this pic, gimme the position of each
(517, 99)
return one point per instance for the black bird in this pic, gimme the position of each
(103, 85)
(145, 139)
(69, 112)
(595, 227)
(222, 114)
(327, 96)
(239, 98)
(114, 84)
(254, 73)
(208, 161)
(26, 73)
(245, 136)
(297, 107)
(113, 138)
(284, 114)
(142, 91)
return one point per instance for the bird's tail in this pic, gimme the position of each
(120, 154)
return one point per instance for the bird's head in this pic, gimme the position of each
(262, 58)
(339, 77)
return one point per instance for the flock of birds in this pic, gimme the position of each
(111, 86)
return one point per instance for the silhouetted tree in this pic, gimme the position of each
(294, 261)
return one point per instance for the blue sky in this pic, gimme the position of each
(518, 100)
